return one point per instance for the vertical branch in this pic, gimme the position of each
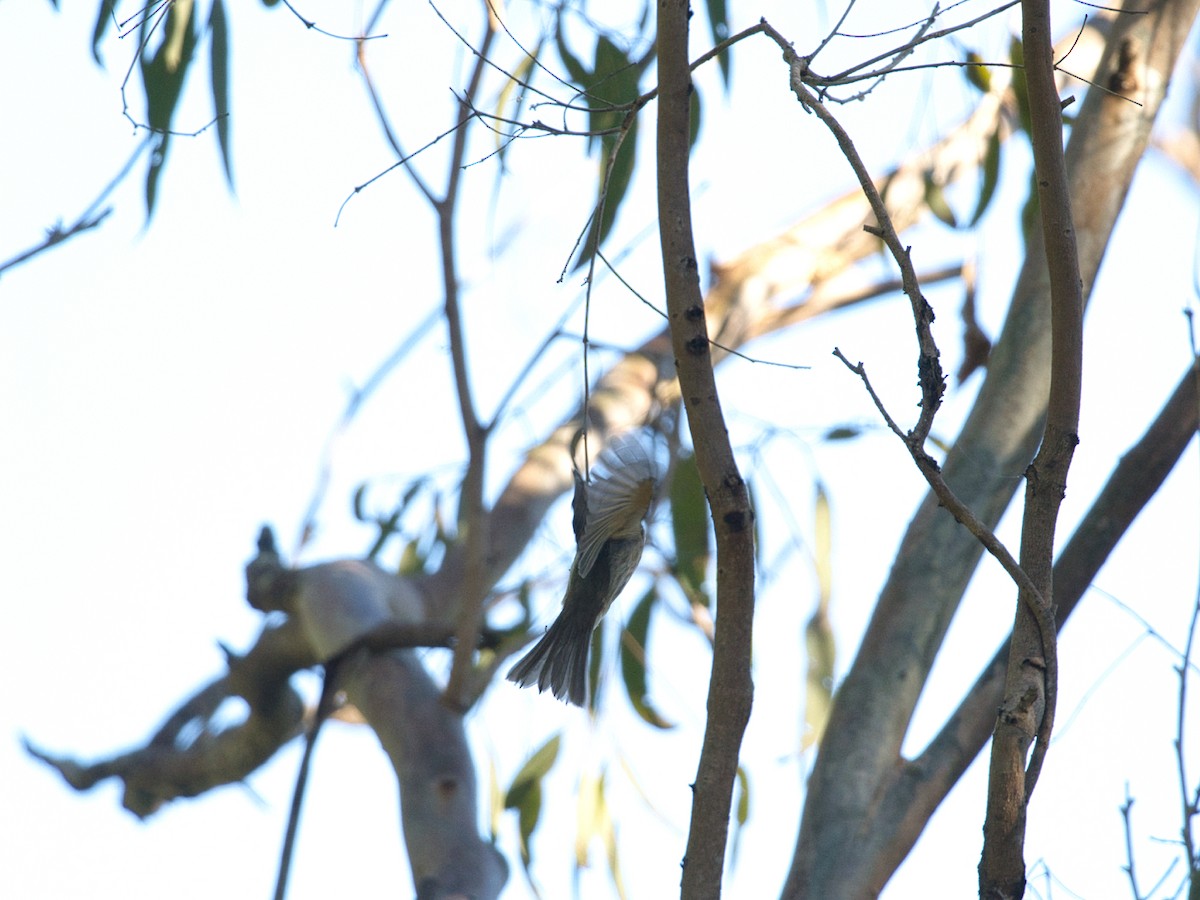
(730, 691)
(1027, 712)
(472, 522)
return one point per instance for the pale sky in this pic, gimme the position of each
(165, 390)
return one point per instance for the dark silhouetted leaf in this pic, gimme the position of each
(991, 176)
(718, 24)
(690, 523)
(694, 118)
(219, 59)
(935, 199)
(575, 70)
(163, 76)
(842, 433)
(633, 660)
(530, 776)
(103, 16)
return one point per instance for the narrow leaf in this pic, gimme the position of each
(741, 808)
(633, 661)
(219, 68)
(718, 25)
(842, 433)
(978, 75)
(103, 17)
(587, 808)
(690, 523)
(935, 199)
(531, 774)
(991, 176)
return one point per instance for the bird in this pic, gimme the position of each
(608, 511)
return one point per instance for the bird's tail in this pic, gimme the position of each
(558, 661)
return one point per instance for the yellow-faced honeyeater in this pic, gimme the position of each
(608, 514)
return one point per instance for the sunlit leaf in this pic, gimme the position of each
(979, 75)
(219, 67)
(633, 660)
(741, 808)
(588, 802)
(823, 546)
(819, 643)
(513, 95)
(818, 634)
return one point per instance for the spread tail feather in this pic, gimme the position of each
(558, 661)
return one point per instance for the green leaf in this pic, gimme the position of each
(588, 815)
(823, 546)
(357, 501)
(690, 523)
(935, 199)
(633, 661)
(575, 70)
(530, 776)
(818, 633)
(1016, 52)
(718, 25)
(978, 75)
(991, 176)
(741, 807)
(842, 433)
(694, 118)
(610, 90)
(162, 77)
(103, 17)
(509, 95)
(219, 67)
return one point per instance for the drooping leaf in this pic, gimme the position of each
(935, 199)
(104, 15)
(1016, 52)
(690, 523)
(823, 546)
(587, 815)
(991, 176)
(978, 75)
(525, 793)
(818, 633)
(163, 75)
(513, 95)
(575, 70)
(610, 89)
(219, 67)
(741, 812)
(633, 661)
(694, 118)
(718, 25)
